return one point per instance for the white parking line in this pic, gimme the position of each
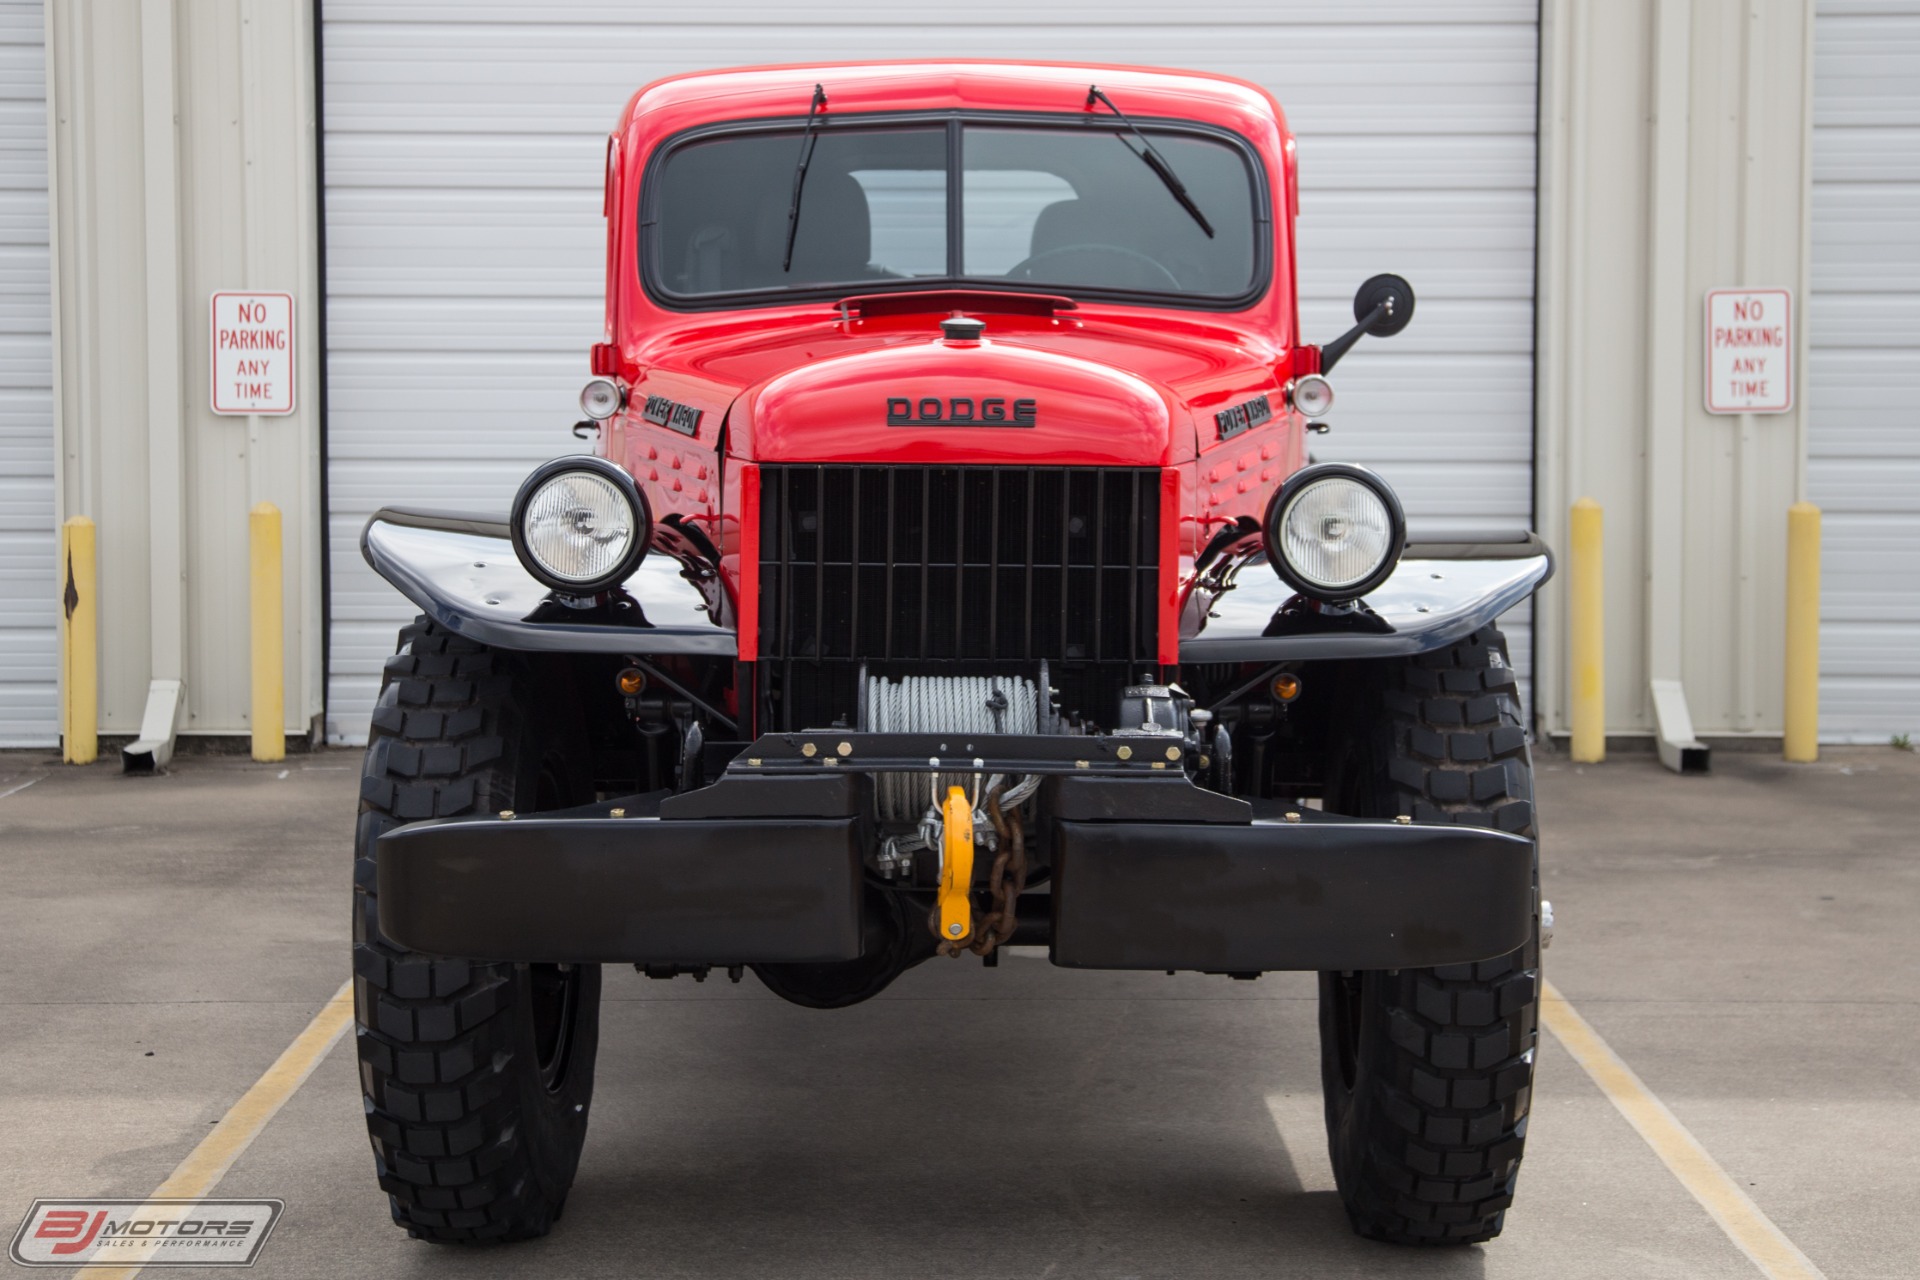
(1756, 1235)
(18, 787)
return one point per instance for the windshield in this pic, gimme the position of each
(1071, 210)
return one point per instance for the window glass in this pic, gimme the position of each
(1058, 208)
(1111, 222)
(908, 209)
(873, 208)
(1002, 206)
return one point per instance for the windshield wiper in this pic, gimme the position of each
(800, 176)
(1155, 161)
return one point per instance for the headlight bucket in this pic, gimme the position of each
(1334, 531)
(581, 535)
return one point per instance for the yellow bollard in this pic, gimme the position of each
(79, 643)
(1589, 710)
(1801, 742)
(269, 698)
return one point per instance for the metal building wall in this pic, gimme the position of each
(1674, 160)
(183, 165)
(463, 149)
(29, 660)
(1863, 464)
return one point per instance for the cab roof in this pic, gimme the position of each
(739, 93)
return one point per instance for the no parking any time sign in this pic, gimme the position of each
(1749, 351)
(253, 353)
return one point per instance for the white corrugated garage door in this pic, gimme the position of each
(29, 655)
(463, 150)
(1863, 466)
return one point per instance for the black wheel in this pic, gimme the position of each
(476, 1077)
(1428, 1073)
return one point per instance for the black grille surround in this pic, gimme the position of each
(925, 569)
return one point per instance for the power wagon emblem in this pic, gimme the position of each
(959, 411)
(1241, 417)
(683, 418)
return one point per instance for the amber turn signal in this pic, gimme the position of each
(631, 680)
(1286, 686)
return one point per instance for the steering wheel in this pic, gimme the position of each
(1146, 274)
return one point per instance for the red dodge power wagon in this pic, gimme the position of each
(949, 573)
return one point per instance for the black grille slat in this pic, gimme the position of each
(993, 563)
(853, 579)
(1133, 570)
(820, 564)
(888, 580)
(1099, 557)
(957, 565)
(1026, 615)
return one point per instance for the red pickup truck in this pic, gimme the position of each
(948, 572)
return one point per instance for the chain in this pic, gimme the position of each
(1005, 883)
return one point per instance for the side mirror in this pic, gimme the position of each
(1383, 306)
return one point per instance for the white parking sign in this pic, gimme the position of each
(1749, 351)
(252, 353)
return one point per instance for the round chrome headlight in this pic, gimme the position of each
(600, 399)
(580, 524)
(1335, 531)
(1312, 395)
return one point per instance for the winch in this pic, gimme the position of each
(958, 705)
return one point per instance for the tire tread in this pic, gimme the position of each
(435, 1042)
(1442, 1137)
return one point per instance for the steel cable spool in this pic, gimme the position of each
(942, 704)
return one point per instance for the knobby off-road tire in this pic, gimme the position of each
(476, 1077)
(1428, 1073)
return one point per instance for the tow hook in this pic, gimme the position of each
(956, 869)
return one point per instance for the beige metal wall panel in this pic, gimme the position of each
(1592, 310)
(99, 266)
(1662, 179)
(244, 177)
(29, 660)
(1863, 465)
(1747, 167)
(463, 151)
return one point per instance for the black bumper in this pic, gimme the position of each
(588, 886)
(765, 866)
(1272, 894)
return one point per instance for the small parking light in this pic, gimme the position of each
(601, 398)
(1312, 395)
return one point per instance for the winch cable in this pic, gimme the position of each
(958, 705)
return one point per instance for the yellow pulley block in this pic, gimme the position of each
(956, 867)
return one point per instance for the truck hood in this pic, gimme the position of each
(1072, 389)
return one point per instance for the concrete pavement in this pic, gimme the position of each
(1743, 941)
